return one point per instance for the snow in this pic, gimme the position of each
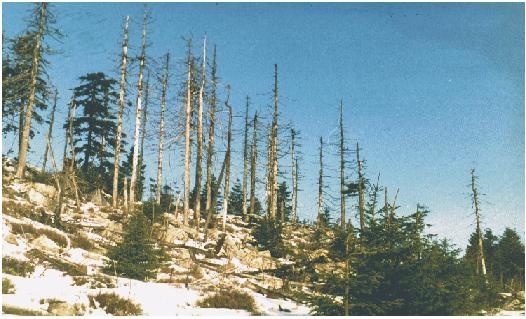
(87, 207)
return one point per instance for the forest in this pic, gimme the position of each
(383, 262)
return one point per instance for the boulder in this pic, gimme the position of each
(172, 234)
(36, 198)
(11, 239)
(45, 244)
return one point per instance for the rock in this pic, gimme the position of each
(11, 239)
(45, 244)
(520, 295)
(46, 190)
(172, 234)
(36, 197)
(62, 308)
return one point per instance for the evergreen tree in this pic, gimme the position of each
(284, 208)
(136, 256)
(235, 199)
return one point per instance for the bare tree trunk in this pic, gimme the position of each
(293, 170)
(245, 162)
(50, 130)
(253, 163)
(125, 194)
(227, 169)
(199, 153)
(273, 158)
(144, 121)
(475, 200)
(188, 110)
(361, 200)
(211, 135)
(343, 220)
(66, 138)
(138, 113)
(72, 167)
(24, 145)
(320, 184)
(161, 132)
(296, 179)
(118, 137)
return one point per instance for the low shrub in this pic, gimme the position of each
(7, 286)
(56, 263)
(10, 310)
(24, 229)
(95, 282)
(17, 267)
(116, 305)
(82, 241)
(230, 299)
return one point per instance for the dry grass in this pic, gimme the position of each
(116, 305)
(230, 299)
(17, 267)
(10, 310)
(7, 286)
(25, 229)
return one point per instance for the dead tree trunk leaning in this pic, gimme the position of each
(24, 144)
(188, 115)
(161, 133)
(50, 130)
(118, 137)
(253, 163)
(245, 162)
(342, 170)
(320, 185)
(211, 133)
(481, 261)
(227, 164)
(361, 200)
(199, 153)
(138, 113)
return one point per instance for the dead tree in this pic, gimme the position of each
(320, 184)
(245, 161)
(138, 113)
(227, 164)
(361, 191)
(199, 152)
(476, 205)
(161, 132)
(272, 199)
(211, 133)
(293, 173)
(187, 142)
(118, 137)
(342, 170)
(50, 130)
(37, 56)
(253, 167)
(143, 134)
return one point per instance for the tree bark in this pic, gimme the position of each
(211, 136)
(476, 204)
(161, 133)
(245, 162)
(24, 145)
(343, 220)
(138, 113)
(50, 130)
(144, 121)
(273, 158)
(116, 164)
(293, 172)
(188, 110)
(227, 164)
(253, 168)
(199, 152)
(320, 184)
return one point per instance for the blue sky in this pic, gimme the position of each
(429, 90)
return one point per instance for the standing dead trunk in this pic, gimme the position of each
(293, 172)
(24, 145)
(273, 154)
(161, 132)
(138, 113)
(125, 194)
(144, 121)
(211, 135)
(227, 164)
(342, 170)
(188, 115)
(245, 162)
(361, 191)
(481, 261)
(296, 188)
(253, 167)
(199, 152)
(320, 185)
(50, 130)
(118, 137)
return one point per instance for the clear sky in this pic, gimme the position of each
(429, 90)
